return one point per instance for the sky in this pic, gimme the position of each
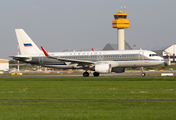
(84, 24)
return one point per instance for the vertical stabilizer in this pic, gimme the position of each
(27, 46)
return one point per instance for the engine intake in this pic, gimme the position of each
(103, 68)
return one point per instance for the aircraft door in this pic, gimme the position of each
(141, 55)
(41, 59)
(100, 57)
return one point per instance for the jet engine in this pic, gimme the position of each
(103, 68)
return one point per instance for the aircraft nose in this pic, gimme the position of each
(161, 59)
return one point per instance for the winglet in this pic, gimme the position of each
(46, 54)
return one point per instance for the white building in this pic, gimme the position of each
(4, 64)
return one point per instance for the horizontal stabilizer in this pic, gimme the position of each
(21, 57)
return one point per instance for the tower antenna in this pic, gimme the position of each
(124, 8)
(121, 7)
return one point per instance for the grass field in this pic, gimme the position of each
(88, 98)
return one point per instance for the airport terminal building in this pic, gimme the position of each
(4, 64)
(113, 46)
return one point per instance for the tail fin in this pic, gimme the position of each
(27, 46)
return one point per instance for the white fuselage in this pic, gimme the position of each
(125, 58)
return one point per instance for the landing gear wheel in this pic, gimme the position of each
(86, 74)
(96, 74)
(143, 74)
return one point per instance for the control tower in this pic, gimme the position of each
(120, 23)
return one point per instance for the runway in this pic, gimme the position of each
(116, 75)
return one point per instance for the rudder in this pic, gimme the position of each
(27, 46)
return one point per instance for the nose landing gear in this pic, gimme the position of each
(142, 74)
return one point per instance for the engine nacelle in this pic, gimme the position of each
(118, 70)
(103, 68)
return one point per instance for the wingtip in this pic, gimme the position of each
(46, 54)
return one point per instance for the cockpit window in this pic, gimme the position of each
(151, 55)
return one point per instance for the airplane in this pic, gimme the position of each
(98, 61)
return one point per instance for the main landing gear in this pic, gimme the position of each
(96, 74)
(86, 74)
(142, 70)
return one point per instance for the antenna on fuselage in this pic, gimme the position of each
(64, 50)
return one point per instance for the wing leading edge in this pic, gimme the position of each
(80, 62)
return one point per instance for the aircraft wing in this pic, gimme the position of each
(80, 62)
